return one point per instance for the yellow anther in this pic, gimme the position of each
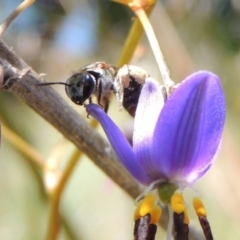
(147, 206)
(177, 203)
(155, 213)
(199, 207)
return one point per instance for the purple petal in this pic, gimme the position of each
(119, 143)
(149, 107)
(189, 129)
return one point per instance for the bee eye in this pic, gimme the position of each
(88, 85)
(89, 80)
(80, 87)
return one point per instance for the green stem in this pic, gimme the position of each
(155, 47)
(21, 145)
(132, 40)
(55, 197)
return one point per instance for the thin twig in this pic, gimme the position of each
(23, 146)
(55, 197)
(132, 40)
(25, 4)
(140, 12)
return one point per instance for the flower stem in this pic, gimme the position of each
(55, 196)
(23, 146)
(132, 40)
(25, 4)
(155, 47)
(54, 218)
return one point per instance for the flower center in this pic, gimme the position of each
(166, 191)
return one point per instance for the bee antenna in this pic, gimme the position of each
(52, 83)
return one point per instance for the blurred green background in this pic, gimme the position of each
(58, 38)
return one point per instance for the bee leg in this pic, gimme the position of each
(100, 93)
(106, 106)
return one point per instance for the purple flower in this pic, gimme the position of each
(175, 141)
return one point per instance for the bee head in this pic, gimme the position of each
(80, 86)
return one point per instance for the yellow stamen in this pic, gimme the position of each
(177, 203)
(148, 206)
(199, 207)
(155, 214)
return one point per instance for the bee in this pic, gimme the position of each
(93, 79)
(101, 79)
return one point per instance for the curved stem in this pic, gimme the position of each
(25, 4)
(155, 47)
(23, 146)
(132, 40)
(55, 197)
